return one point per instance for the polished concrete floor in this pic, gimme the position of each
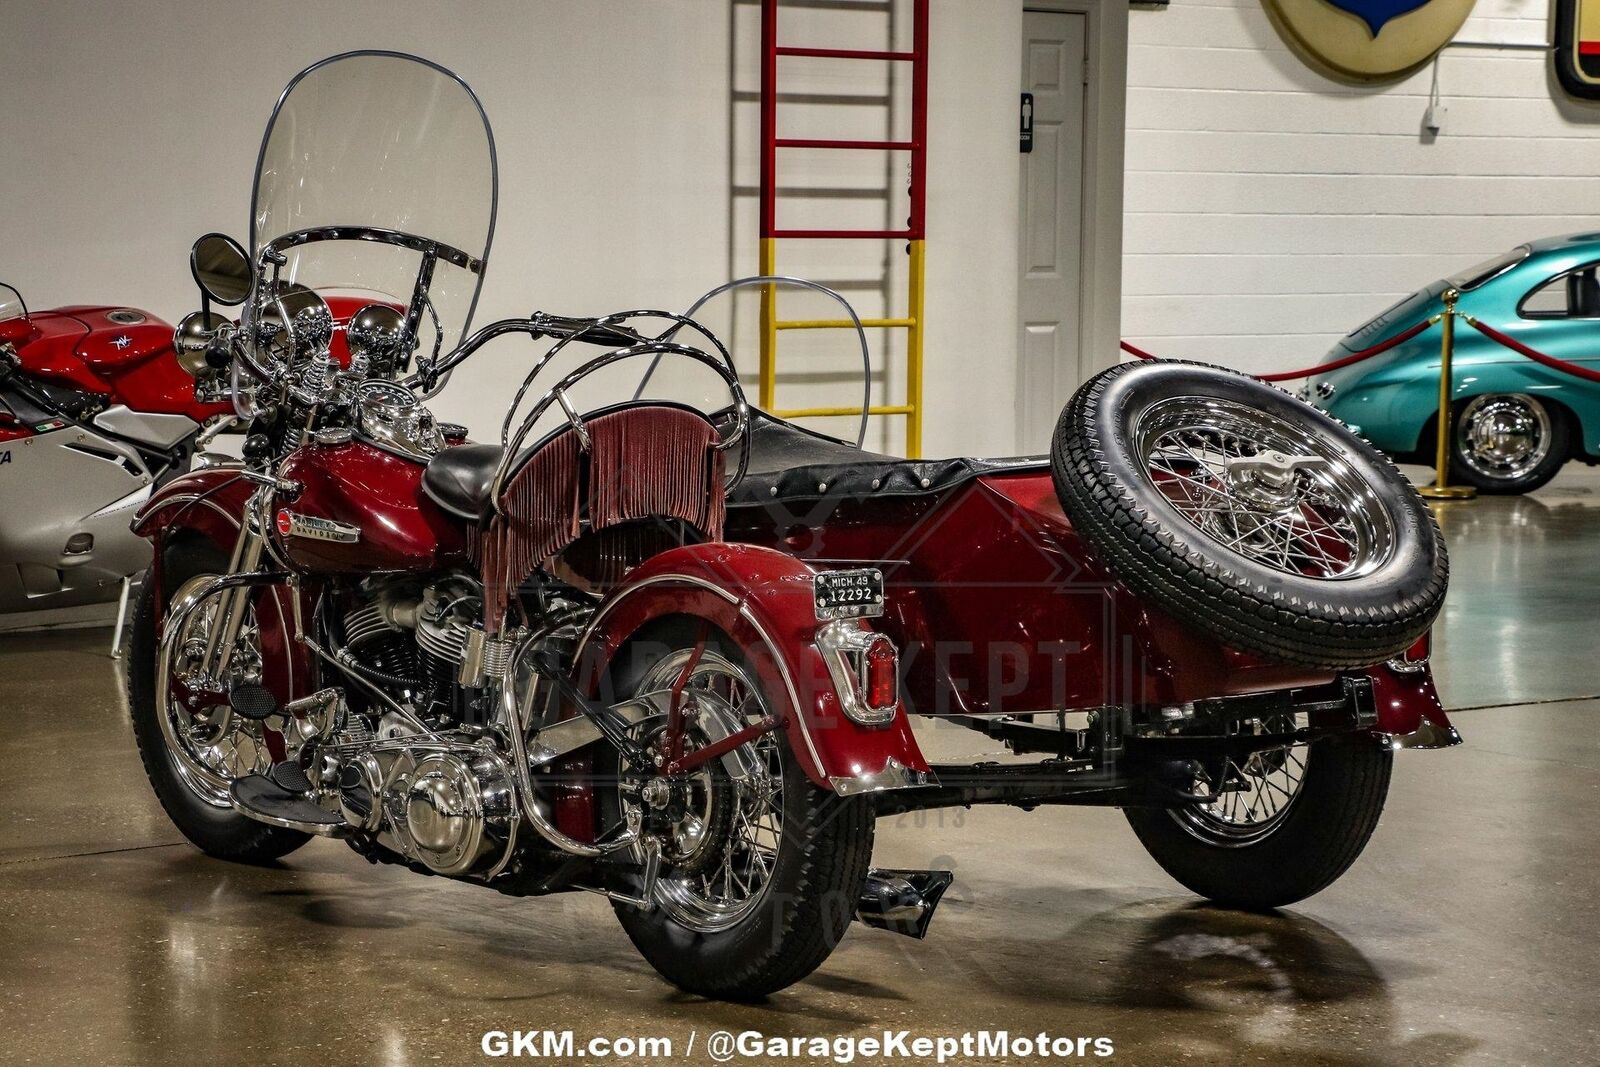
(1468, 933)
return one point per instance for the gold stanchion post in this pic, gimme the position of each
(1441, 489)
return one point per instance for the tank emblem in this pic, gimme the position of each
(315, 529)
(121, 342)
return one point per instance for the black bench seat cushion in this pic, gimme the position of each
(789, 463)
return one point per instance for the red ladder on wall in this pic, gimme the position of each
(914, 232)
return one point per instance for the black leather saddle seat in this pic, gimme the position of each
(458, 478)
(789, 463)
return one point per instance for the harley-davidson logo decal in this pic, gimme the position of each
(1368, 40)
(315, 529)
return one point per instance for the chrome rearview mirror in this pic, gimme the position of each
(221, 269)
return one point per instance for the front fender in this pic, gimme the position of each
(763, 600)
(209, 501)
(209, 504)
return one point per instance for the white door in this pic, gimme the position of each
(1054, 70)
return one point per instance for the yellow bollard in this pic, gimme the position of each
(1441, 489)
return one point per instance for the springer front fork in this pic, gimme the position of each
(233, 599)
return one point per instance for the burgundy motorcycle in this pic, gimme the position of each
(672, 655)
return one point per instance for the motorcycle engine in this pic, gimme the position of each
(416, 635)
(448, 806)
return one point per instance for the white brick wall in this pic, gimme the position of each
(1270, 210)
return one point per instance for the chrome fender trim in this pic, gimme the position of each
(1429, 735)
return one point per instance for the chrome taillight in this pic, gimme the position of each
(865, 669)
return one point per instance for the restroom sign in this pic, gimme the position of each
(1577, 50)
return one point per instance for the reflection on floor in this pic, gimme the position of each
(1466, 934)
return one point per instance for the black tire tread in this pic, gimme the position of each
(1157, 562)
(1347, 782)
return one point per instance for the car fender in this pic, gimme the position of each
(763, 600)
(1393, 405)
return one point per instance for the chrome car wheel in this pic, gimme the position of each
(1265, 488)
(1503, 436)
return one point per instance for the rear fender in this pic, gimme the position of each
(209, 505)
(1410, 714)
(763, 600)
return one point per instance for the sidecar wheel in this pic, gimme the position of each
(1255, 858)
(1248, 514)
(703, 935)
(205, 819)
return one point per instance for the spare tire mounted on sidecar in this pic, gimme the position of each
(1237, 508)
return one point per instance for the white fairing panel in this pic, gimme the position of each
(57, 486)
(149, 428)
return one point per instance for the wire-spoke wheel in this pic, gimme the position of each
(1251, 796)
(725, 834)
(761, 870)
(1248, 514)
(192, 752)
(1286, 823)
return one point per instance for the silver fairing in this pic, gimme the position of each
(68, 485)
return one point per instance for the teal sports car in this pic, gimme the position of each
(1515, 422)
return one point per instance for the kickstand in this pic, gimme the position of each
(122, 616)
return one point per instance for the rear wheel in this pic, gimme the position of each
(761, 869)
(1507, 443)
(193, 757)
(1285, 823)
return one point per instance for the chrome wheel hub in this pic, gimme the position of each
(1503, 435)
(722, 835)
(1253, 795)
(1270, 490)
(210, 745)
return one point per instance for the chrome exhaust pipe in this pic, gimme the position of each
(902, 901)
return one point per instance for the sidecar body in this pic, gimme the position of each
(1007, 623)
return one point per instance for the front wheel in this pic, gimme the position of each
(1507, 443)
(1284, 825)
(193, 756)
(762, 871)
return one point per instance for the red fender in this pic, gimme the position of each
(210, 503)
(763, 600)
(1409, 709)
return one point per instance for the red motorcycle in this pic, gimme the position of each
(672, 656)
(94, 414)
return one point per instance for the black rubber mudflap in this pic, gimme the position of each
(258, 796)
(252, 701)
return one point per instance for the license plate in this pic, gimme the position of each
(848, 594)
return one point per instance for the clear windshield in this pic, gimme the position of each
(11, 305)
(380, 142)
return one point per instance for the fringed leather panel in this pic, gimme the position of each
(646, 461)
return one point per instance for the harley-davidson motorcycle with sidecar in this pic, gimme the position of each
(95, 413)
(670, 653)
